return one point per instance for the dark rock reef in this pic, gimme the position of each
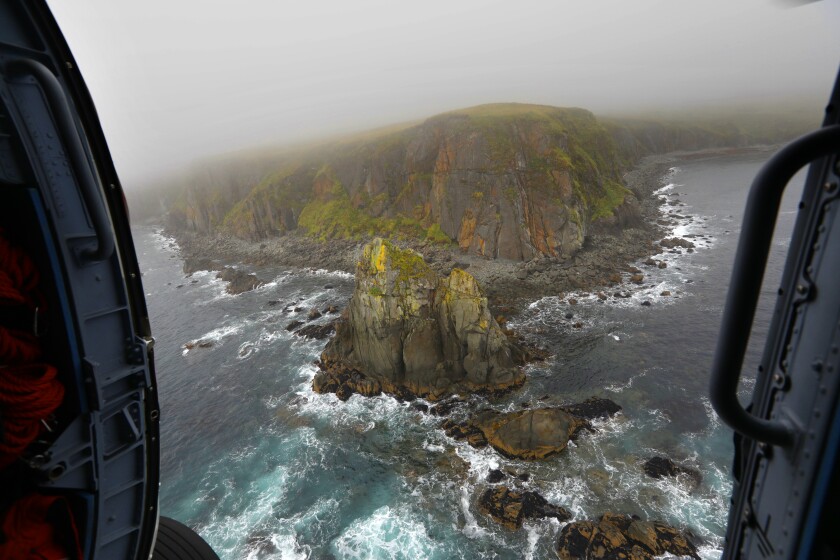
(621, 536)
(594, 407)
(660, 467)
(407, 331)
(238, 280)
(511, 508)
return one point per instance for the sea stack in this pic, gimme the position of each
(409, 332)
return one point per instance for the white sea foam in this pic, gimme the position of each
(662, 190)
(252, 504)
(471, 527)
(323, 272)
(388, 534)
(214, 337)
(199, 274)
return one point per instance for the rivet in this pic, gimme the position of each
(829, 186)
(801, 289)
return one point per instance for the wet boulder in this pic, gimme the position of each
(345, 383)
(529, 434)
(511, 508)
(313, 314)
(238, 280)
(673, 242)
(465, 431)
(318, 332)
(660, 467)
(495, 476)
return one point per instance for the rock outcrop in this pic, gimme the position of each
(529, 434)
(238, 280)
(407, 331)
(594, 407)
(511, 508)
(672, 242)
(622, 536)
(660, 467)
(533, 433)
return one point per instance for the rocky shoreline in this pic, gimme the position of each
(604, 260)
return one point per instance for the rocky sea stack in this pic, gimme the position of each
(409, 332)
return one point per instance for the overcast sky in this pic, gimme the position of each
(174, 80)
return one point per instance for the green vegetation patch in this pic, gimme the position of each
(436, 235)
(613, 197)
(338, 219)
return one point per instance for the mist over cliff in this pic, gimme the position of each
(508, 181)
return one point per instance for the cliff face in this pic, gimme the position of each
(503, 181)
(407, 331)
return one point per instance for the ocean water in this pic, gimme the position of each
(264, 468)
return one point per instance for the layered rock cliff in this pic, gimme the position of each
(407, 331)
(504, 181)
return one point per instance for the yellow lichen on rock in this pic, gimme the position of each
(381, 257)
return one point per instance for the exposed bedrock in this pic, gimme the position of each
(512, 508)
(409, 332)
(533, 433)
(622, 536)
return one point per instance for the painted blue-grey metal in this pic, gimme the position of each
(786, 472)
(61, 197)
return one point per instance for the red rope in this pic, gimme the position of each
(18, 347)
(29, 391)
(18, 267)
(39, 527)
(18, 288)
(28, 394)
(35, 527)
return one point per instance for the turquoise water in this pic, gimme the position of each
(264, 468)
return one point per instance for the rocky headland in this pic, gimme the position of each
(532, 200)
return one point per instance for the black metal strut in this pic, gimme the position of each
(750, 262)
